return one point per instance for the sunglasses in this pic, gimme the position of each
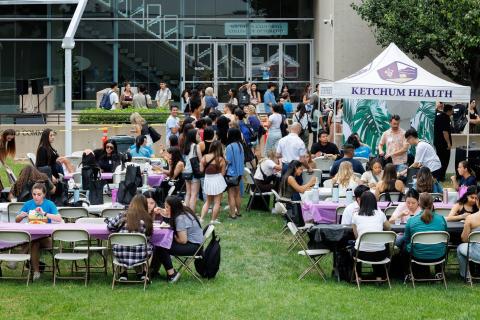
(109, 147)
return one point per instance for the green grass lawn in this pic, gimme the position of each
(257, 280)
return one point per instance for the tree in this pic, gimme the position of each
(445, 31)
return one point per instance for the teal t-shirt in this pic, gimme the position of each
(421, 251)
(47, 206)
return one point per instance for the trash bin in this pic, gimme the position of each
(123, 142)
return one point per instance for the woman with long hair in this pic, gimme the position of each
(188, 236)
(186, 125)
(126, 98)
(7, 145)
(223, 124)
(426, 182)
(389, 182)
(465, 206)
(345, 177)
(108, 158)
(289, 187)
(369, 219)
(29, 176)
(232, 97)
(228, 111)
(213, 164)
(191, 150)
(156, 213)
(176, 165)
(234, 155)
(140, 127)
(135, 220)
(255, 96)
(466, 176)
(47, 156)
(302, 117)
(140, 148)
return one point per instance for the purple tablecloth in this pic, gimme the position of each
(325, 211)
(154, 179)
(160, 238)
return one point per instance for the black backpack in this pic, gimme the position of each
(243, 98)
(208, 266)
(128, 189)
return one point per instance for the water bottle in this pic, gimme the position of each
(71, 184)
(315, 194)
(335, 192)
(76, 194)
(445, 195)
(145, 178)
(349, 195)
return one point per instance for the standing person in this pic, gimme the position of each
(136, 219)
(255, 96)
(173, 123)
(246, 133)
(302, 117)
(396, 144)
(269, 97)
(291, 147)
(232, 97)
(211, 103)
(223, 124)
(140, 127)
(187, 238)
(425, 155)
(244, 95)
(438, 107)
(442, 139)
(142, 99)
(466, 174)
(186, 101)
(274, 123)
(7, 145)
(126, 98)
(191, 149)
(316, 122)
(286, 103)
(307, 92)
(213, 164)
(235, 165)
(473, 117)
(113, 96)
(163, 96)
(472, 224)
(334, 122)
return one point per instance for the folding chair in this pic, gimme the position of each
(339, 213)
(313, 255)
(473, 238)
(363, 161)
(11, 176)
(72, 214)
(92, 246)
(75, 160)
(429, 238)
(118, 177)
(328, 183)
(254, 190)
(394, 196)
(10, 240)
(186, 261)
(442, 211)
(380, 238)
(324, 166)
(127, 240)
(389, 211)
(111, 212)
(12, 210)
(71, 236)
(317, 173)
(437, 197)
(32, 157)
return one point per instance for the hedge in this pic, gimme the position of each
(119, 116)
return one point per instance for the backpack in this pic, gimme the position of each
(243, 98)
(208, 266)
(253, 133)
(284, 127)
(128, 189)
(105, 102)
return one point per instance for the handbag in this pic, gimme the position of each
(154, 134)
(195, 162)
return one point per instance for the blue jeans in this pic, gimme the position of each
(272, 140)
(462, 256)
(400, 167)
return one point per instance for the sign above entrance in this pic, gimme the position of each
(256, 28)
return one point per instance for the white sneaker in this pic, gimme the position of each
(215, 221)
(226, 208)
(274, 211)
(36, 275)
(11, 265)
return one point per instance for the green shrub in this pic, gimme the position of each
(119, 116)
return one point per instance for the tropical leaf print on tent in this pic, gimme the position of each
(424, 120)
(370, 121)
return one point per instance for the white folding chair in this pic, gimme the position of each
(111, 212)
(71, 236)
(314, 256)
(473, 238)
(75, 160)
(77, 178)
(437, 197)
(339, 213)
(324, 166)
(118, 177)
(389, 211)
(254, 190)
(73, 213)
(32, 157)
(11, 239)
(363, 161)
(381, 238)
(101, 250)
(13, 208)
(328, 183)
(429, 238)
(11, 176)
(128, 240)
(186, 261)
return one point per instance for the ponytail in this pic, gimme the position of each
(426, 203)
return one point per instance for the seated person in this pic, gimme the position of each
(140, 148)
(389, 182)
(188, 236)
(370, 219)
(374, 175)
(266, 176)
(345, 178)
(466, 174)
(108, 158)
(353, 207)
(426, 182)
(347, 156)
(426, 220)
(157, 213)
(324, 147)
(29, 175)
(361, 150)
(176, 165)
(465, 206)
(38, 210)
(135, 220)
(407, 209)
(472, 224)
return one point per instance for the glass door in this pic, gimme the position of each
(296, 68)
(231, 68)
(199, 66)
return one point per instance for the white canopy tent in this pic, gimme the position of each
(394, 76)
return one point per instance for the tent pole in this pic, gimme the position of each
(468, 136)
(333, 120)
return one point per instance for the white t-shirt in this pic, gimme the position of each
(369, 224)
(163, 96)
(427, 156)
(302, 120)
(267, 168)
(291, 147)
(276, 120)
(172, 122)
(349, 211)
(114, 100)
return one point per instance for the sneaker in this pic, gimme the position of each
(408, 278)
(36, 275)
(216, 221)
(439, 276)
(226, 208)
(174, 277)
(11, 265)
(141, 276)
(123, 276)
